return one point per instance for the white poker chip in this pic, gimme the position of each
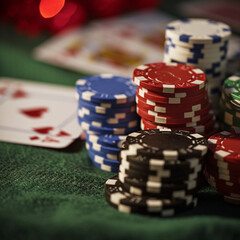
(196, 30)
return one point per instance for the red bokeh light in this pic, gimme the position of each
(50, 8)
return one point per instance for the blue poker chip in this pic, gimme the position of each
(106, 88)
(105, 130)
(86, 113)
(108, 158)
(104, 149)
(107, 139)
(102, 163)
(111, 122)
(108, 105)
(98, 123)
(102, 110)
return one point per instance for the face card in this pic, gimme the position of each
(115, 46)
(37, 114)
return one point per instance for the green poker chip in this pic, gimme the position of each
(232, 87)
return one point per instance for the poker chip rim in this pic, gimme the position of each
(174, 121)
(193, 150)
(157, 202)
(194, 85)
(105, 111)
(155, 97)
(88, 93)
(180, 34)
(220, 152)
(103, 166)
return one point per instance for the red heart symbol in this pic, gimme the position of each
(43, 130)
(34, 112)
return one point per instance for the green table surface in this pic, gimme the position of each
(59, 194)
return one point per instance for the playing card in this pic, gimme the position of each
(115, 46)
(37, 114)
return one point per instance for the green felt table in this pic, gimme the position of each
(59, 194)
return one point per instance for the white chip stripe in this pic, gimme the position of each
(234, 78)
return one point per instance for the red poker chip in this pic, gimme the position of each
(223, 187)
(172, 108)
(202, 129)
(225, 177)
(154, 117)
(222, 163)
(169, 78)
(156, 97)
(181, 114)
(175, 95)
(232, 174)
(226, 146)
(180, 126)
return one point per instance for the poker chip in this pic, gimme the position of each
(103, 110)
(108, 139)
(200, 43)
(107, 113)
(173, 96)
(101, 163)
(225, 146)
(107, 130)
(168, 109)
(198, 31)
(159, 169)
(161, 119)
(230, 103)
(202, 129)
(130, 203)
(223, 164)
(106, 88)
(169, 77)
(144, 93)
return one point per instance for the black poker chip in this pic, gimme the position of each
(126, 202)
(145, 162)
(169, 144)
(176, 174)
(164, 178)
(167, 191)
(160, 172)
(157, 186)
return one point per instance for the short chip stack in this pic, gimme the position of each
(107, 113)
(223, 165)
(159, 173)
(230, 103)
(202, 43)
(172, 95)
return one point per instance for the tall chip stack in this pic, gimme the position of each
(107, 113)
(223, 165)
(173, 95)
(159, 172)
(202, 43)
(230, 103)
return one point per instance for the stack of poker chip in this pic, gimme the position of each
(159, 172)
(173, 95)
(201, 43)
(223, 165)
(107, 113)
(230, 103)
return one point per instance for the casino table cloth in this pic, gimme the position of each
(59, 194)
